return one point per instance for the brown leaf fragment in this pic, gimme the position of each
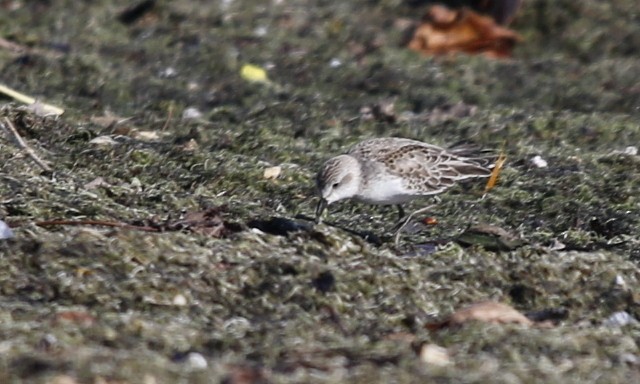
(445, 31)
(245, 374)
(487, 312)
(208, 222)
(79, 318)
(490, 237)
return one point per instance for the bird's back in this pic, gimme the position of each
(424, 169)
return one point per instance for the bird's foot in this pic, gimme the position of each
(402, 223)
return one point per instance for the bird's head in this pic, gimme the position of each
(338, 179)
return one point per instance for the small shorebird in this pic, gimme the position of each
(393, 170)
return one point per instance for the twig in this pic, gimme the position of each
(22, 144)
(46, 108)
(52, 223)
(170, 115)
(6, 44)
(21, 49)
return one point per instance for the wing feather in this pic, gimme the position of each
(424, 168)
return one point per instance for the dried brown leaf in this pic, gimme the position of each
(444, 31)
(487, 312)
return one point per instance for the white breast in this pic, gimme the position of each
(389, 190)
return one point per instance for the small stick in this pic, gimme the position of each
(51, 223)
(47, 108)
(496, 171)
(170, 115)
(22, 144)
(21, 49)
(6, 44)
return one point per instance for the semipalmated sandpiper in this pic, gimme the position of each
(394, 170)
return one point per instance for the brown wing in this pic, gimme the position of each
(426, 169)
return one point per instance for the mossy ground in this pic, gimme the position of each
(318, 305)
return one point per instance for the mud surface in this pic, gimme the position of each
(264, 295)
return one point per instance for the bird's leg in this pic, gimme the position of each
(404, 223)
(401, 218)
(400, 212)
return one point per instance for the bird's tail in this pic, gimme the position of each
(474, 154)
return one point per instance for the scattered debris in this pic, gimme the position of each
(147, 136)
(335, 63)
(619, 319)
(5, 231)
(433, 354)
(430, 221)
(487, 312)
(41, 109)
(254, 73)
(191, 113)
(18, 49)
(79, 318)
(208, 222)
(244, 374)
(445, 31)
(64, 379)
(195, 361)
(117, 224)
(538, 162)
(168, 73)
(13, 132)
(96, 183)
(383, 111)
(108, 120)
(271, 173)
(448, 112)
(491, 237)
(179, 300)
(553, 315)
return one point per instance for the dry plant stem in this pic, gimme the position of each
(96, 222)
(21, 49)
(169, 116)
(30, 100)
(11, 129)
(6, 44)
(404, 223)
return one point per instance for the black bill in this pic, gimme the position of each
(322, 205)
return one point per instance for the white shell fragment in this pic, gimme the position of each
(103, 140)
(191, 113)
(272, 172)
(539, 162)
(619, 319)
(5, 231)
(434, 355)
(196, 361)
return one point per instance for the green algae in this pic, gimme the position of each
(314, 305)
